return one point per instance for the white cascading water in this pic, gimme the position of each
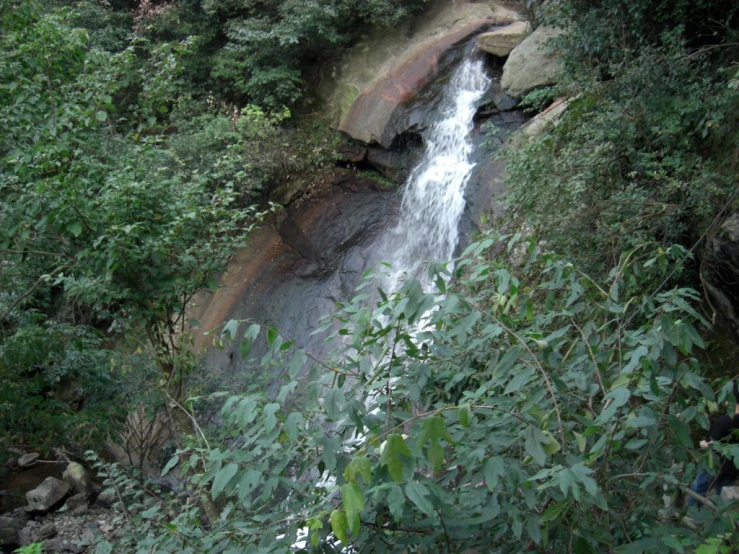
(433, 199)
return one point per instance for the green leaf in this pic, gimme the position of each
(534, 445)
(359, 465)
(75, 228)
(494, 468)
(101, 116)
(272, 334)
(104, 547)
(417, 493)
(222, 479)
(293, 421)
(464, 411)
(339, 525)
(554, 511)
(230, 329)
(523, 376)
(396, 502)
(436, 454)
(394, 448)
(433, 428)
(533, 527)
(170, 464)
(244, 348)
(353, 499)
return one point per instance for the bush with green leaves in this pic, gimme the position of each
(646, 149)
(527, 408)
(102, 235)
(258, 51)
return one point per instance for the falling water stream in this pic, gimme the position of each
(433, 198)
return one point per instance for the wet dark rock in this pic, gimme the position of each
(47, 496)
(502, 101)
(350, 182)
(351, 152)
(392, 164)
(9, 531)
(720, 273)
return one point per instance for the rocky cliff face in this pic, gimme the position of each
(382, 96)
(368, 89)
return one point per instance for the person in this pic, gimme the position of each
(724, 429)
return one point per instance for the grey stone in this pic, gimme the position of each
(77, 504)
(729, 494)
(59, 544)
(46, 531)
(529, 65)
(500, 42)
(77, 478)
(504, 102)
(9, 530)
(47, 495)
(28, 460)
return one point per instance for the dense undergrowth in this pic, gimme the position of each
(546, 406)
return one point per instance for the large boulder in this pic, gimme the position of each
(720, 272)
(387, 69)
(529, 66)
(500, 42)
(77, 478)
(47, 495)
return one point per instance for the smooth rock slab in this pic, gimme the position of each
(501, 42)
(47, 495)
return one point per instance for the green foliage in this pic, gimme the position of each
(269, 45)
(33, 548)
(531, 406)
(103, 233)
(50, 371)
(646, 149)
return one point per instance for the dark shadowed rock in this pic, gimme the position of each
(47, 495)
(720, 273)
(9, 529)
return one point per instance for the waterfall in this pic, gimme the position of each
(433, 198)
